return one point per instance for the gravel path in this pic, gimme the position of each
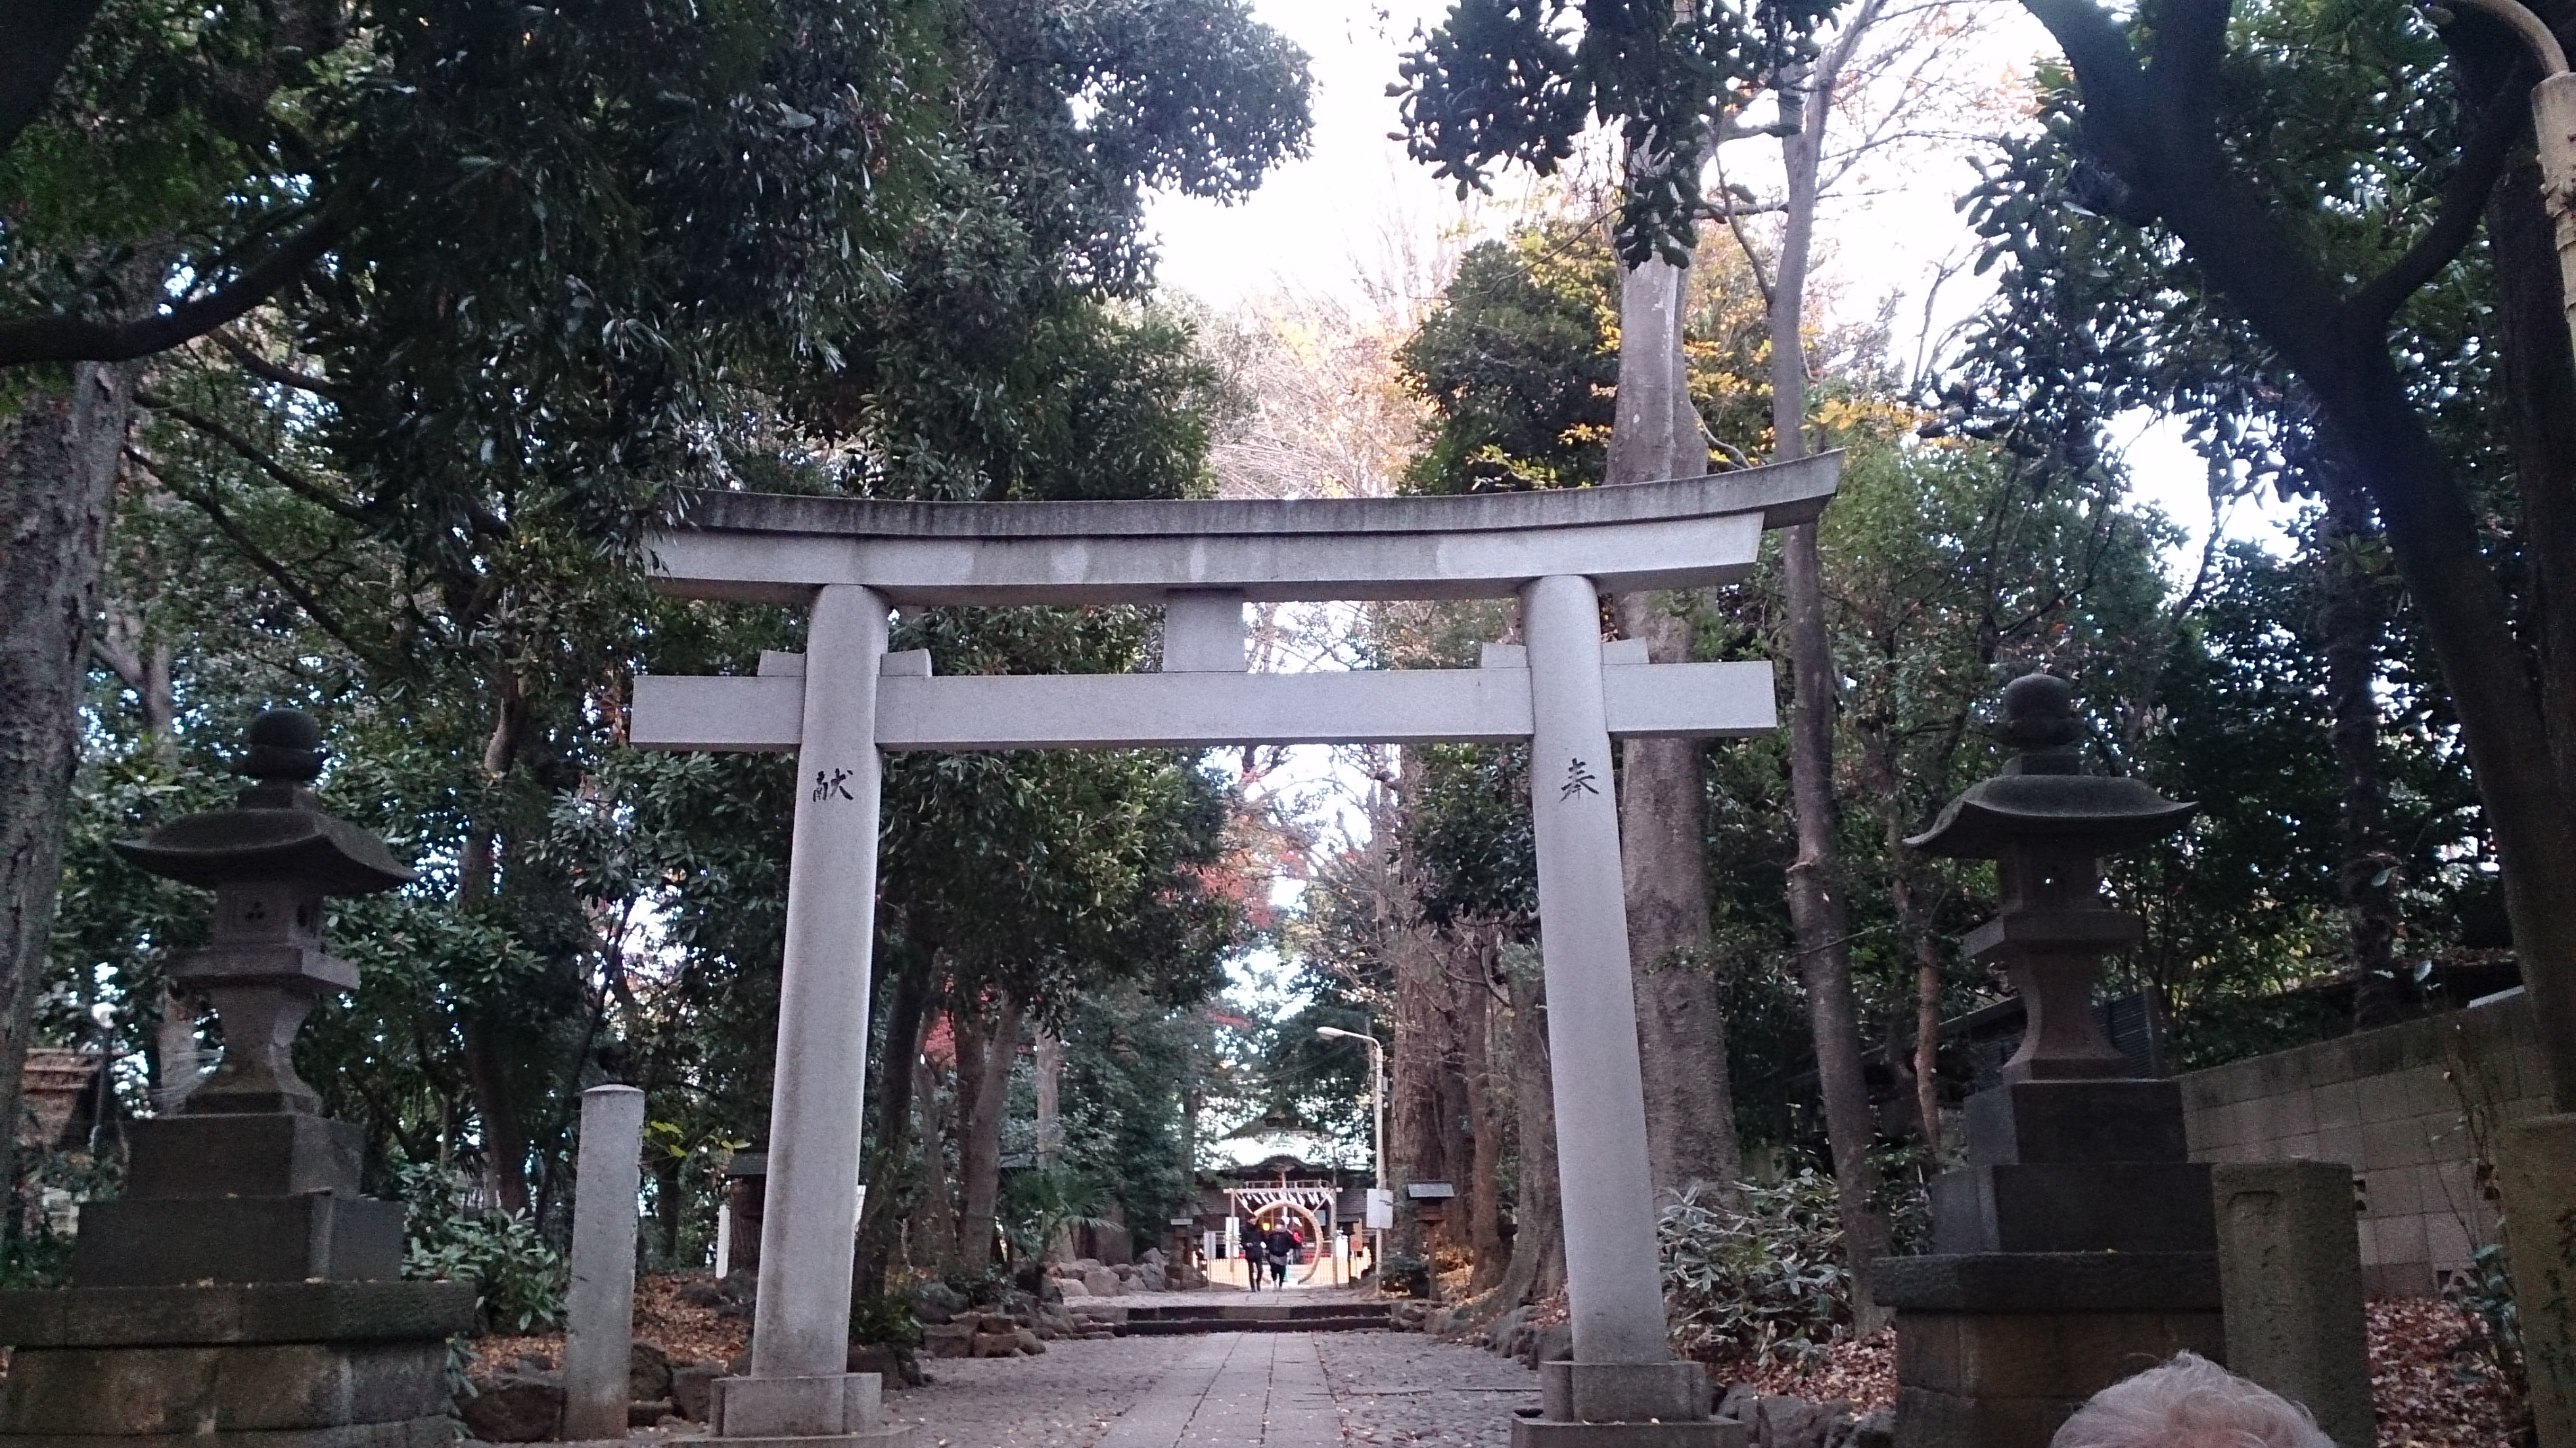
(1397, 1388)
(1383, 1389)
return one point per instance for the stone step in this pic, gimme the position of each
(1180, 1326)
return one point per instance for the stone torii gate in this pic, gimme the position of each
(1564, 691)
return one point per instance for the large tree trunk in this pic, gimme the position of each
(1538, 1243)
(2365, 867)
(485, 1024)
(1480, 1192)
(1681, 1037)
(1816, 908)
(891, 1158)
(985, 1050)
(58, 466)
(2540, 405)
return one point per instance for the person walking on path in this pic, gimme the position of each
(1256, 1256)
(1283, 1247)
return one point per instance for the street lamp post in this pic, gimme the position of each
(2553, 118)
(1377, 1118)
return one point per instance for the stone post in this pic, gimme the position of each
(2536, 1172)
(1623, 1384)
(599, 1310)
(799, 1385)
(2289, 1272)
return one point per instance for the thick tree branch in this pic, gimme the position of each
(2191, 40)
(2463, 203)
(78, 339)
(259, 366)
(2115, 88)
(254, 454)
(37, 38)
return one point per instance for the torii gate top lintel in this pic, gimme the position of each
(1682, 532)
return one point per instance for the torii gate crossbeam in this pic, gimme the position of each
(845, 700)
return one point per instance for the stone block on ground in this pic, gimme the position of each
(692, 1386)
(648, 1373)
(936, 1301)
(519, 1408)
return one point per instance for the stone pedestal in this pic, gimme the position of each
(247, 1306)
(841, 1410)
(2536, 1169)
(2075, 1249)
(246, 1365)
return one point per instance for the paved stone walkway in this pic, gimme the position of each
(1226, 1390)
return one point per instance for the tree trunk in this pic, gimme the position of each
(985, 1051)
(2540, 405)
(891, 1159)
(2433, 535)
(2365, 870)
(1049, 1054)
(1816, 908)
(934, 1212)
(1481, 1192)
(482, 1024)
(58, 466)
(1538, 1244)
(1681, 1037)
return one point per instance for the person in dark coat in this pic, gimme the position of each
(1283, 1250)
(1256, 1254)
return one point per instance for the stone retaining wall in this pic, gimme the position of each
(2405, 1107)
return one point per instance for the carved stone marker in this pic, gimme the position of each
(2078, 1245)
(241, 1292)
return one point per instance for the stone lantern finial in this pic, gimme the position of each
(285, 744)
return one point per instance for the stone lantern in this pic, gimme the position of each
(2078, 1244)
(242, 1290)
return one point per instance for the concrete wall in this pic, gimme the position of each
(2405, 1107)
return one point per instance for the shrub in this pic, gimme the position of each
(518, 1279)
(1761, 1277)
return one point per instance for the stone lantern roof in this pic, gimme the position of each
(276, 829)
(2042, 794)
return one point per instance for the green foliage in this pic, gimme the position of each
(1761, 1277)
(1040, 1205)
(519, 1281)
(885, 1320)
(2485, 1293)
(1505, 82)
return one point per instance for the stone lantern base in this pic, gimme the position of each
(239, 1296)
(2076, 1248)
(235, 1365)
